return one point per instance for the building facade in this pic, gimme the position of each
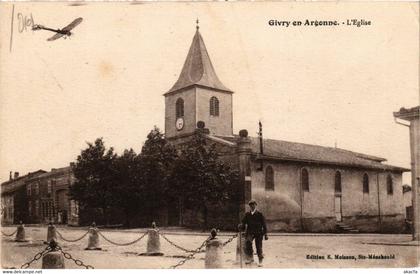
(40, 197)
(14, 201)
(48, 197)
(412, 116)
(299, 187)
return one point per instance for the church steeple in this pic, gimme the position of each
(198, 69)
(198, 95)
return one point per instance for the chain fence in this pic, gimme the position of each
(189, 250)
(122, 244)
(9, 235)
(78, 262)
(53, 246)
(191, 256)
(36, 257)
(230, 240)
(71, 241)
(174, 244)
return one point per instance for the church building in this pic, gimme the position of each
(299, 187)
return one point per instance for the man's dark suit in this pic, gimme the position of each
(256, 228)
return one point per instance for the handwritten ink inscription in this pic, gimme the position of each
(25, 22)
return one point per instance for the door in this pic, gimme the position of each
(62, 205)
(337, 206)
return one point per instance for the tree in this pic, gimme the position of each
(155, 162)
(159, 177)
(200, 178)
(127, 191)
(95, 177)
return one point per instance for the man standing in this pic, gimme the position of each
(255, 228)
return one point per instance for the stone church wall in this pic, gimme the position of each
(189, 112)
(316, 207)
(222, 124)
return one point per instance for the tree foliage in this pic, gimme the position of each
(95, 177)
(141, 184)
(201, 179)
(127, 190)
(156, 160)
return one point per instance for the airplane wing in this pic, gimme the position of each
(55, 37)
(73, 24)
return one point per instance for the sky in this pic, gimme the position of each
(335, 85)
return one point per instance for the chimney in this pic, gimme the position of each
(10, 176)
(260, 137)
(16, 175)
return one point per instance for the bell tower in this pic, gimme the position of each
(198, 95)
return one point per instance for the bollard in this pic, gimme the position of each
(53, 259)
(93, 240)
(20, 234)
(51, 233)
(241, 255)
(214, 252)
(153, 242)
(240, 249)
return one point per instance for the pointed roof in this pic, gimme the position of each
(198, 69)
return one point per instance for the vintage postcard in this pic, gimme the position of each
(193, 135)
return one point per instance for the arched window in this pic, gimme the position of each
(269, 178)
(305, 179)
(179, 106)
(389, 185)
(338, 182)
(214, 106)
(365, 183)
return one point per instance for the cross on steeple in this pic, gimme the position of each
(197, 22)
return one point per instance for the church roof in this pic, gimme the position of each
(318, 154)
(298, 152)
(198, 69)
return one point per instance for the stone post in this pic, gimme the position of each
(53, 259)
(153, 242)
(214, 252)
(51, 233)
(240, 249)
(20, 234)
(93, 240)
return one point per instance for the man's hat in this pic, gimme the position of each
(252, 201)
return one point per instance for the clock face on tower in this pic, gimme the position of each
(179, 124)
